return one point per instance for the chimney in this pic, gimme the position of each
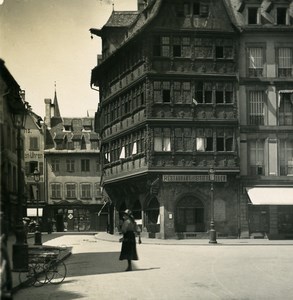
(48, 104)
(141, 4)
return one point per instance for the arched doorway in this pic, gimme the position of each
(189, 215)
(152, 215)
(136, 210)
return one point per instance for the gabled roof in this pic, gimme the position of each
(121, 18)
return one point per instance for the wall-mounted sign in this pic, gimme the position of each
(193, 178)
(31, 154)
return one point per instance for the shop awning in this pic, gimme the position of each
(270, 195)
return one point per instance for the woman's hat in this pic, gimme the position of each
(128, 212)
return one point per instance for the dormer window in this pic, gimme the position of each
(87, 128)
(252, 15)
(204, 10)
(281, 15)
(196, 8)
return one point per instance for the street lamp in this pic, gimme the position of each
(38, 234)
(20, 248)
(213, 238)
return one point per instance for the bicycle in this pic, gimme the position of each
(55, 270)
(44, 268)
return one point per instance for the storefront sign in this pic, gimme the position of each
(32, 212)
(32, 154)
(193, 178)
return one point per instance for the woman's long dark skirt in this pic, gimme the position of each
(128, 248)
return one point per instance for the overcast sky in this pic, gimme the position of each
(48, 41)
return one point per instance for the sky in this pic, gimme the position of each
(47, 42)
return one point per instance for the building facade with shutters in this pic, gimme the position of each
(34, 145)
(168, 113)
(72, 170)
(12, 97)
(266, 116)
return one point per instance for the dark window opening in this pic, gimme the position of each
(177, 50)
(186, 9)
(204, 10)
(199, 97)
(32, 165)
(281, 15)
(208, 96)
(179, 10)
(166, 96)
(209, 146)
(196, 8)
(85, 165)
(229, 144)
(220, 144)
(228, 97)
(252, 15)
(157, 46)
(259, 170)
(126, 107)
(141, 99)
(219, 52)
(157, 50)
(219, 97)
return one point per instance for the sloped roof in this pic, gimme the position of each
(67, 121)
(87, 121)
(121, 18)
(59, 136)
(76, 136)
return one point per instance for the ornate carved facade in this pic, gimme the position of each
(169, 87)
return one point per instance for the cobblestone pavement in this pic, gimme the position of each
(250, 271)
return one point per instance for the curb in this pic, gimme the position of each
(204, 242)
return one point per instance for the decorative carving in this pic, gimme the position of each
(181, 114)
(214, 112)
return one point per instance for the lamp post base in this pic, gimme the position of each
(38, 236)
(213, 236)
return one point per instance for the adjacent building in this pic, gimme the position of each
(12, 101)
(72, 172)
(266, 116)
(34, 145)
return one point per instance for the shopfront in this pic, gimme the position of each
(79, 218)
(270, 211)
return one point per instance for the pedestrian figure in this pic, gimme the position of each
(25, 221)
(49, 225)
(129, 230)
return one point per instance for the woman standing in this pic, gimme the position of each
(129, 230)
